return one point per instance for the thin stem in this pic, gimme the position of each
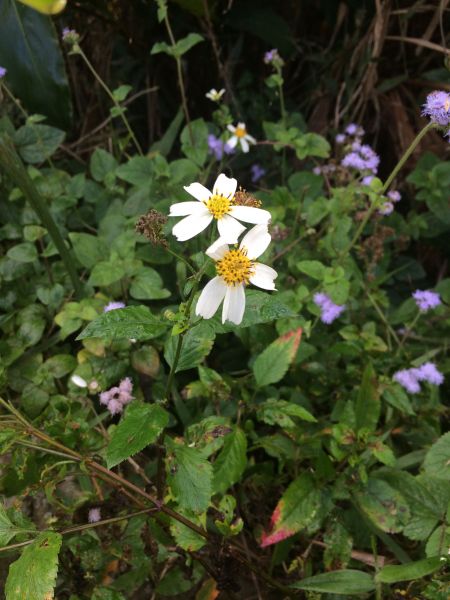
(14, 167)
(120, 109)
(46, 450)
(382, 316)
(186, 262)
(408, 331)
(180, 78)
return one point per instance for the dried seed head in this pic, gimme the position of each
(242, 198)
(151, 226)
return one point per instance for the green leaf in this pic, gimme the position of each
(383, 505)
(140, 426)
(46, 7)
(102, 163)
(37, 142)
(33, 575)
(368, 406)
(437, 460)
(398, 398)
(184, 536)
(131, 322)
(23, 253)
(408, 571)
(185, 44)
(231, 462)
(30, 50)
(312, 268)
(189, 476)
(105, 273)
(148, 285)
(89, 249)
(7, 529)
(272, 364)
(194, 349)
(162, 47)
(165, 144)
(137, 171)
(296, 509)
(348, 582)
(195, 147)
(279, 412)
(311, 144)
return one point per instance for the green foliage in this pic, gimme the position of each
(413, 570)
(141, 425)
(33, 575)
(131, 322)
(347, 582)
(230, 462)
(271, 366)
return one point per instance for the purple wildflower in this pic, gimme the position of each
(386, 209)
(354, 161)
(407, 378)
(340, 138)
(70, 35)
(367, 180)
(215, 146)
(115, 406)
(351, 129)
(94, 515)
(362, 158)
(429, 372)
(3, 72)
(257, 172)
(329, 310)
(437, 107)
(394, 196)
(317, 170)
(426, 300)
(113, 306)
(118, 396)
(271, 56)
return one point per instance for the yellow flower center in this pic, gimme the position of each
(219, 205)
(240, 132)
(235, 267)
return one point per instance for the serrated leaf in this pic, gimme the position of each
(348, 582)
(131, 322)
(296, 509)
(383, 505)
(279, 412)
(7, 528)
(33, 575)
(137, 171)
(102, 163)
(437, 460)
(312, 268)
(194, 349)
(189, 476)
(231, 462)
(184, 536)
(272, 364)
(408, 571)
(140, 426)
(311, 144)
(367, 409)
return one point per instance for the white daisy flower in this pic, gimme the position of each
(218, 204)
(236, 268)
(215, 95)
(240, 135)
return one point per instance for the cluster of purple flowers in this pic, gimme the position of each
(257, 172)
(94, 515)
(437, 108)
(410, 378)
(218, 147)
(386, 209)
(362, 157)
(329, 310)
(3, 72)
(324, 169)
(426, 300)
(272, 57)
(113, 306)
(118, 396)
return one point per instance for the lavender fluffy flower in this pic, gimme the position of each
(394, 196)
(367, 180)
(430, 373)
(3, 72)
(317, 170)
(218, 147)
(113, 306)
(340, 138)
(271, 56)
(362, 158)
(351, 129)
(354, 161)
(118, 396)
(437, 108)
(94, 515)
(386, 209)
(407, 378)
(257, 172)
(329, 310)
(426, 300)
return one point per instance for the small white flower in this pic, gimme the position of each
(78, 381)
(218, 204)
(240, 135)
(235, 269)
(215, 95)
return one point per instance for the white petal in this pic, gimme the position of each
(256, 241)
(181, 209)
(198, 191)
(250, 214)
(244, 145)
(217, 250)
(241, 125)
(188, 227)
(250, 139)
(212, 295)
(229, 229)
(232, 141)
(225, 186)
(263, 276)
(234, 304)
(78, 381)
(231, 128)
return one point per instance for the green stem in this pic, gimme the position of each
(186, 262)
(387, 183)
(120, 109)
(382, 316)
(408, 331)
(15, 169)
